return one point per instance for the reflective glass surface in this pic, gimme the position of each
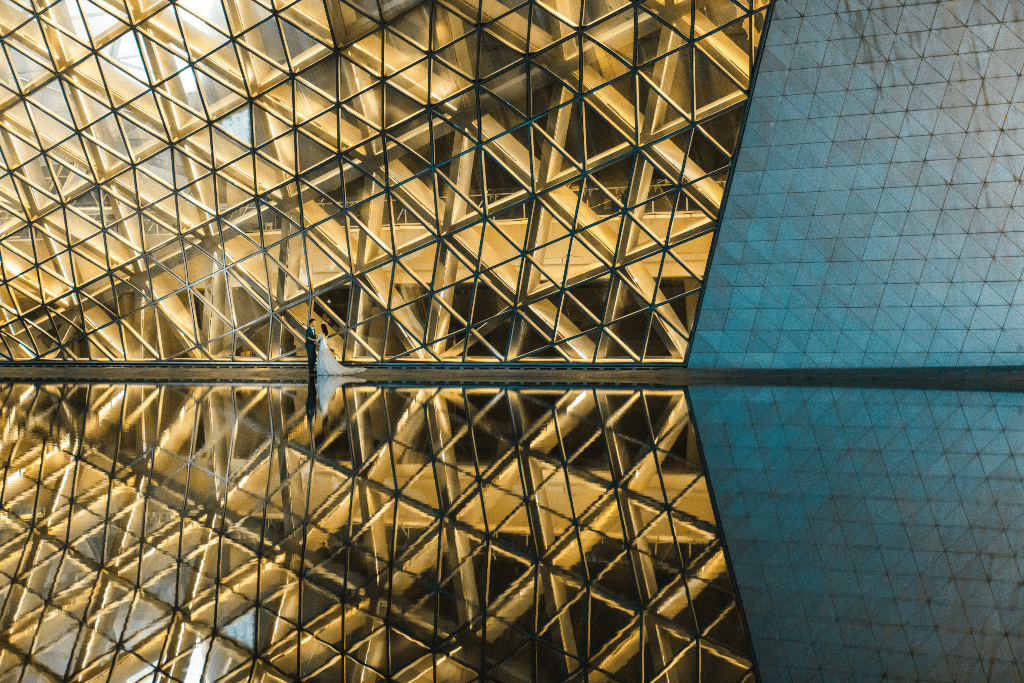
(263, 533)
(442, 180)
(875, 534)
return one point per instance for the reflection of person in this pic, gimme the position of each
(311, 399)
(311, 350)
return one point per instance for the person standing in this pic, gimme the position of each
(311, 350)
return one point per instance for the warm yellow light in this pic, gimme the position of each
(476, 181)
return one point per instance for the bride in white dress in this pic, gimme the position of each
(327, 364)
(330, 374)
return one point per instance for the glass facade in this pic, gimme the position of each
(503, 212)
(435, 181)
(260, 533)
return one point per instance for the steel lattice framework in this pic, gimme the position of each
(425, 534)
(445, 180)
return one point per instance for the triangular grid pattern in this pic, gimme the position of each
(874, 532)
(448, 180)
(876, 218)
(430, 534)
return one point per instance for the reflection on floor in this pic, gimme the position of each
(875, 534)
(218, 533)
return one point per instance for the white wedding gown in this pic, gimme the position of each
(330, 375)
(327, 364)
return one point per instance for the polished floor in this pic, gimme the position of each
(876, 533)
(366, 533)
(380, 531)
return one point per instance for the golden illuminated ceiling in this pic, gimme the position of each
(423, 534)
(447, 180)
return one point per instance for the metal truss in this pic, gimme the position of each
(434, 180)
(427, 534)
